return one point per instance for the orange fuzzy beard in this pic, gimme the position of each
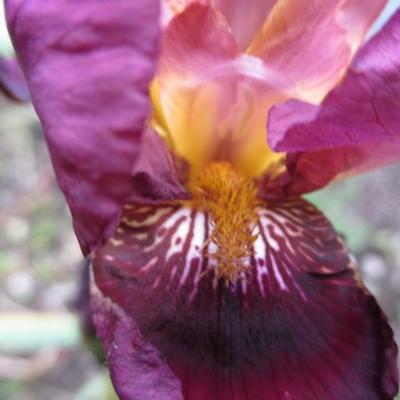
(231, 201)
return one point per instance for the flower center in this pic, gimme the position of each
(230, 199)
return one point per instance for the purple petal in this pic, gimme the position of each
(356, 127)
(137, 368)
(12, 81)
(300, 326)
(88, 66)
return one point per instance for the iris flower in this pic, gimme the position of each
(212, 278)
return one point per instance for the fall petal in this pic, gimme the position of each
(356, 128)
(12, 81)
(137, 369)
(312, 42)
(88, 67)
(300, 326)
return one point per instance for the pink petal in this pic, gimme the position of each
(300, 326)
(312, 42)
(245, 17)
(170, 8)
(211, 101)
(196, 39)
(88, 66)
(356, 128)
(12, 81)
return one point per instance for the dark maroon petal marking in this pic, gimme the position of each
(12, 81)
(357, 126)
(301, 327)
(88, 65)
(138, 370)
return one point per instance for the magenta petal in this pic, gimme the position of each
(301, 327)
(356, 127)
(137, 369)
(12, 81)
(88, 66)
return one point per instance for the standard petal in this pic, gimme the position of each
(170, 8)
(356, 128)
(210, 103)
(312, 42)
(12, 81)
(88, 68)
(196, 39)
(299, 326)
(245, 17)
(137, 368)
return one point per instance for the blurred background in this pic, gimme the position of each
(42, 354)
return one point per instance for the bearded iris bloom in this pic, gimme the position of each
(212, 278)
